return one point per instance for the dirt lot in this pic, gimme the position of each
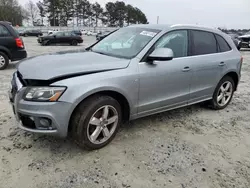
(185, 148)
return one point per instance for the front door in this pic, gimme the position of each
(166, 84)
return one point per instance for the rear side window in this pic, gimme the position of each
(223, 45)
(203, 43)
(4, 32)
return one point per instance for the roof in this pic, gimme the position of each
(164, 27)
(152, 26)
(245, 36)
(5, 22)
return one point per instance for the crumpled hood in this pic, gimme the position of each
(69, 63)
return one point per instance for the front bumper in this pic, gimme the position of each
(29, 114)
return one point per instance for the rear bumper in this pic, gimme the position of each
(18, 55)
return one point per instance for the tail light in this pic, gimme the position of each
(19, 43)
(241, 60)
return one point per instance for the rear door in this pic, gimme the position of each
(59, 38)
(207, 65)
(6, 39)
(68, 37)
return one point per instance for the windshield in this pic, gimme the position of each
(126, 42)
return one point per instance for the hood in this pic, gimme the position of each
(68, 64)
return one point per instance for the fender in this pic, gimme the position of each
(97, 90)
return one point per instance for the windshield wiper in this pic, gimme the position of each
(98, 52)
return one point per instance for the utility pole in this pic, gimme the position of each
(157, 19)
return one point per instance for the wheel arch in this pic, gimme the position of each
(123, 101)
(235, 78)
(6, 51)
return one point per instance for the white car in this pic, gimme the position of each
(84, 32)
(91, 33)
(50, 32)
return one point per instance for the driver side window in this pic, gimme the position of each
(175, 40)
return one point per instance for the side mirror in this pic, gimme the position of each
(161, 54)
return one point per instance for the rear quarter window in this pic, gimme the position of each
(203, 43)
(223, 45)
(4, 32)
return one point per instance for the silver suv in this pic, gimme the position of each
(134, 72)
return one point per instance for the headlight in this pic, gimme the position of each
(51, 94)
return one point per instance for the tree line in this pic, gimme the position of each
(11, 11)
(77, 12)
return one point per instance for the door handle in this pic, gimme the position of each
(222, 64)
(186, 69)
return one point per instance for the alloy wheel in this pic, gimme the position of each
(225, 93)
(2, 61)
(102, 124)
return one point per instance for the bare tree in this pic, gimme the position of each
(33, 11)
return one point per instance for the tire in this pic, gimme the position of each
(93, 108)
(4, 61)
(45, 43)
(74, 43)
(217, 104)
(239, 47)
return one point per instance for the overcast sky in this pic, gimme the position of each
(215, 13)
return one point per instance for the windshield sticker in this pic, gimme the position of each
(148, 33)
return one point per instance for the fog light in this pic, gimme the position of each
(45, 122)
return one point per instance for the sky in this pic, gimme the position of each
(212, 13)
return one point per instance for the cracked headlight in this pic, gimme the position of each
(50, 94)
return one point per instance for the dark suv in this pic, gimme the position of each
(11, 45)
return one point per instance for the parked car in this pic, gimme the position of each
(84, 32)
(60, 38)
(245, 41)
(102, 35)
(236, 40)
(35, 33)
(77, 32)
(90, 93)
(51, 32)
(91, 33)
(11, 45)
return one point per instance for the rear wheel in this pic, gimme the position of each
(74, 43)
(4, 61)
(223, 93)
(96, 121)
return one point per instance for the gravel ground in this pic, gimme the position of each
(185, 148)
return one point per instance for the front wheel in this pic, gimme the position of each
(223, 93)
(96, 122)
(45, 43)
